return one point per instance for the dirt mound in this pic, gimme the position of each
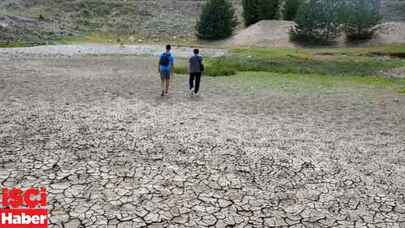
(268, 33)
(389, 32)
(275, 33)
(396, 73)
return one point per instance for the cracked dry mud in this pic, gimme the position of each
(112, 153)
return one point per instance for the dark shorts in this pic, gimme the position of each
(165, 74)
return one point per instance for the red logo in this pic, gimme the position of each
(24, 209)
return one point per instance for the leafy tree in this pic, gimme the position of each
(290, 9)
(217, 20)
(256, 10)
(317, 22)
(359, 17)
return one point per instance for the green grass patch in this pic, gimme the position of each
(92, 38)
(307, 61)
(306, 66)
(338, 61)
(313, 83)
(212, 68)
(16, 44)
(349, 61)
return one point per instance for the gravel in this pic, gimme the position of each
(104, 49)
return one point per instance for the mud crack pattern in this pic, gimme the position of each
(112, 153)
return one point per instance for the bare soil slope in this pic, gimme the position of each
(389, 32)
(271, 33)
(275, 33)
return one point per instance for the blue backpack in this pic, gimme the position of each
(165, 59)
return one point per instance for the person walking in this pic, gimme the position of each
(196, 68)
(166, 69)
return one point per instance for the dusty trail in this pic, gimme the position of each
(111, 151)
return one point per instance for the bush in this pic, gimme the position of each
(256, 10)
(290, 9)
(316, 22)
(217, 20)
(359, 17)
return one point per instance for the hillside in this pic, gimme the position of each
(393, 10)
(36, 21)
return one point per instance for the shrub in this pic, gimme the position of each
(256, 10)
(359, 17)
(316, 22)
(217, 20)
(290, 9)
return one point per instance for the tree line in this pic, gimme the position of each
(317, 21)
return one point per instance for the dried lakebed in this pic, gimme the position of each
(113, 153)
(103, 49)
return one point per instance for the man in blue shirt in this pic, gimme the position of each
(166, 68)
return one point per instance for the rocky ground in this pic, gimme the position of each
(60, 51)
(113, 153)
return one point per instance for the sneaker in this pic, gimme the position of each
(196, 94)
(191, 92)
(163, 93)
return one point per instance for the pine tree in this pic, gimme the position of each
(290, 9)
(250, 9)
(256, 10)
(217, 20)
(359, 17)
(317, 22)
(268, 9)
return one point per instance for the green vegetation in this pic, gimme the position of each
(321, 21)
(256, 10)
(313, 83)
(320, 67)
(290, 9)
(268, 9)
(249, 12)
(217, 20)
(213, 68)
(360, 62)
(13, 44)
(97, 38)
(316, 71)
(317, 22)
(359, 17)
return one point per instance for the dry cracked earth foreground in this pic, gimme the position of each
(112, 153)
